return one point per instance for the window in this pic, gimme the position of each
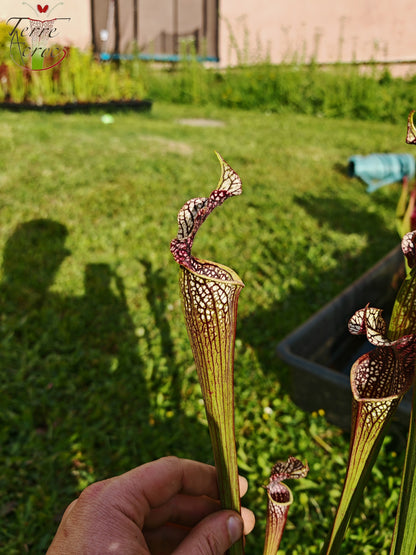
(157, 29)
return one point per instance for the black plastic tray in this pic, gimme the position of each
(321, 351)
(69, 107)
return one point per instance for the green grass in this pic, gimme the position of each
(338, 91)
(96, 373)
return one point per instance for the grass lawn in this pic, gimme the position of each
(96, 373)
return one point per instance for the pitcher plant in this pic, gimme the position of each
(209, 293)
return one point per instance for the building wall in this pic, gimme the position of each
(326, 30)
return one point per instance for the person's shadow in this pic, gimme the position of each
(70, 365)
(76, 404)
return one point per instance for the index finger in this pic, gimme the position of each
(153, 484)
(162, 479)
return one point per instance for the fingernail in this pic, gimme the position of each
(235, 528)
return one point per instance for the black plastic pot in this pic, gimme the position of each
(321, 351)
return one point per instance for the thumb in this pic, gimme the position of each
(213, 535)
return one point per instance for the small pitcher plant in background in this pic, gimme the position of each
(379, 380)
(210, 294)
(279, 500)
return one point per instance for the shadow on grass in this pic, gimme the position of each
(77, 405)
(156, 297)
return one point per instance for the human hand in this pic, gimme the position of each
(168, 506)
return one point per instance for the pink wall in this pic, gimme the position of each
(331, 30)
